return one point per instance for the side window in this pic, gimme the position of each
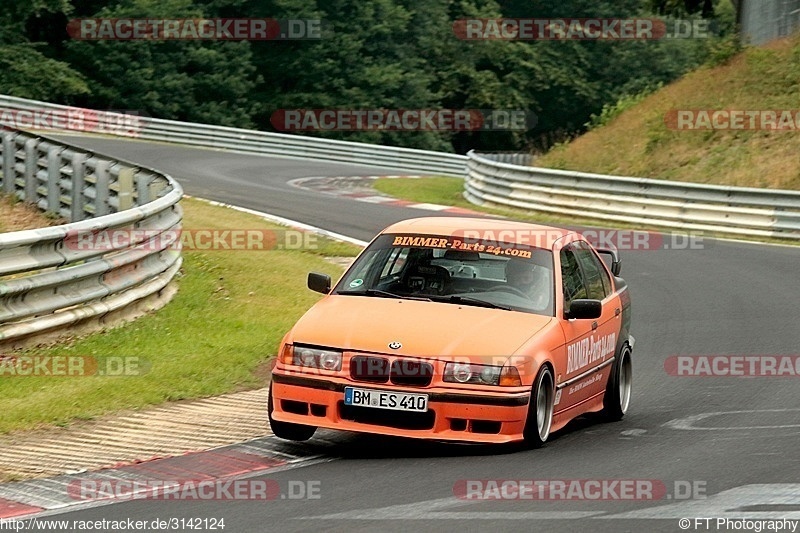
(572, 278)
(598, 283)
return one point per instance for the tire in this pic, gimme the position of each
(540, 409)
(617, 398)
(287, 430)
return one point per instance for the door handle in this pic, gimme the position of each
(616, 311)
(594, 325)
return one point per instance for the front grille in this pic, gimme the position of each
(404, 372)
(411, 373)
(371, 369)
(387, 418)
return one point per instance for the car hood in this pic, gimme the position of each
(424, 329)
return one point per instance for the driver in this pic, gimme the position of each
(520, 275)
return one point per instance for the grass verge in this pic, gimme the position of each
(215, 336)
(643, 141)
(16, 216)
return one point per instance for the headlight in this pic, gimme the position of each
(330, 360)
(504, 376)
(472, 373)
(460, 372)
(317, 358)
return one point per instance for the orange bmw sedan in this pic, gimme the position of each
(460, 329)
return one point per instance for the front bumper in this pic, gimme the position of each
(467, 416)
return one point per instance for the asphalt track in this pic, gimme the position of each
(726, 298)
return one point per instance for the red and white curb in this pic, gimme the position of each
(26, 499)
(361, 188)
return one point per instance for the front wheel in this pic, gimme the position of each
(287, 430)
(540, 409)
(617, 398)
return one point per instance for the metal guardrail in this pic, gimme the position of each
(258, 142)
(742, 211)
(505, 180)
(49, 278)
(512, 158)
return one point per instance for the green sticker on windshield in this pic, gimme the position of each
(356, 283)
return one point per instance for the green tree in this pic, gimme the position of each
(25, 70)
(201, 81)
(391, 54)
(679, 8)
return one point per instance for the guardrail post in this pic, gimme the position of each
(157, 186)
(125, 193)
(8, 163)
(143, 181)
(54, 180)
(101, 188)
(31, 162)
(78, 182)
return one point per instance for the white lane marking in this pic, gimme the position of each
(728, 504)
(287, 222)
(434, 510)
(429, 207)
(633, 432)
(688, 422)
(372, 199)
(300, 183)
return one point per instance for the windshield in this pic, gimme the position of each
(443, 269)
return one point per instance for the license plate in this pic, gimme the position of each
(382, 399)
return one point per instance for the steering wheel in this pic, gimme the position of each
(508, 288)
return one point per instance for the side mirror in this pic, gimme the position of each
(584, 309)
(612, 254)
(319, 282)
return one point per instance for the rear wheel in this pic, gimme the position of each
(620, 383)
(287, 430)
(540, 409)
